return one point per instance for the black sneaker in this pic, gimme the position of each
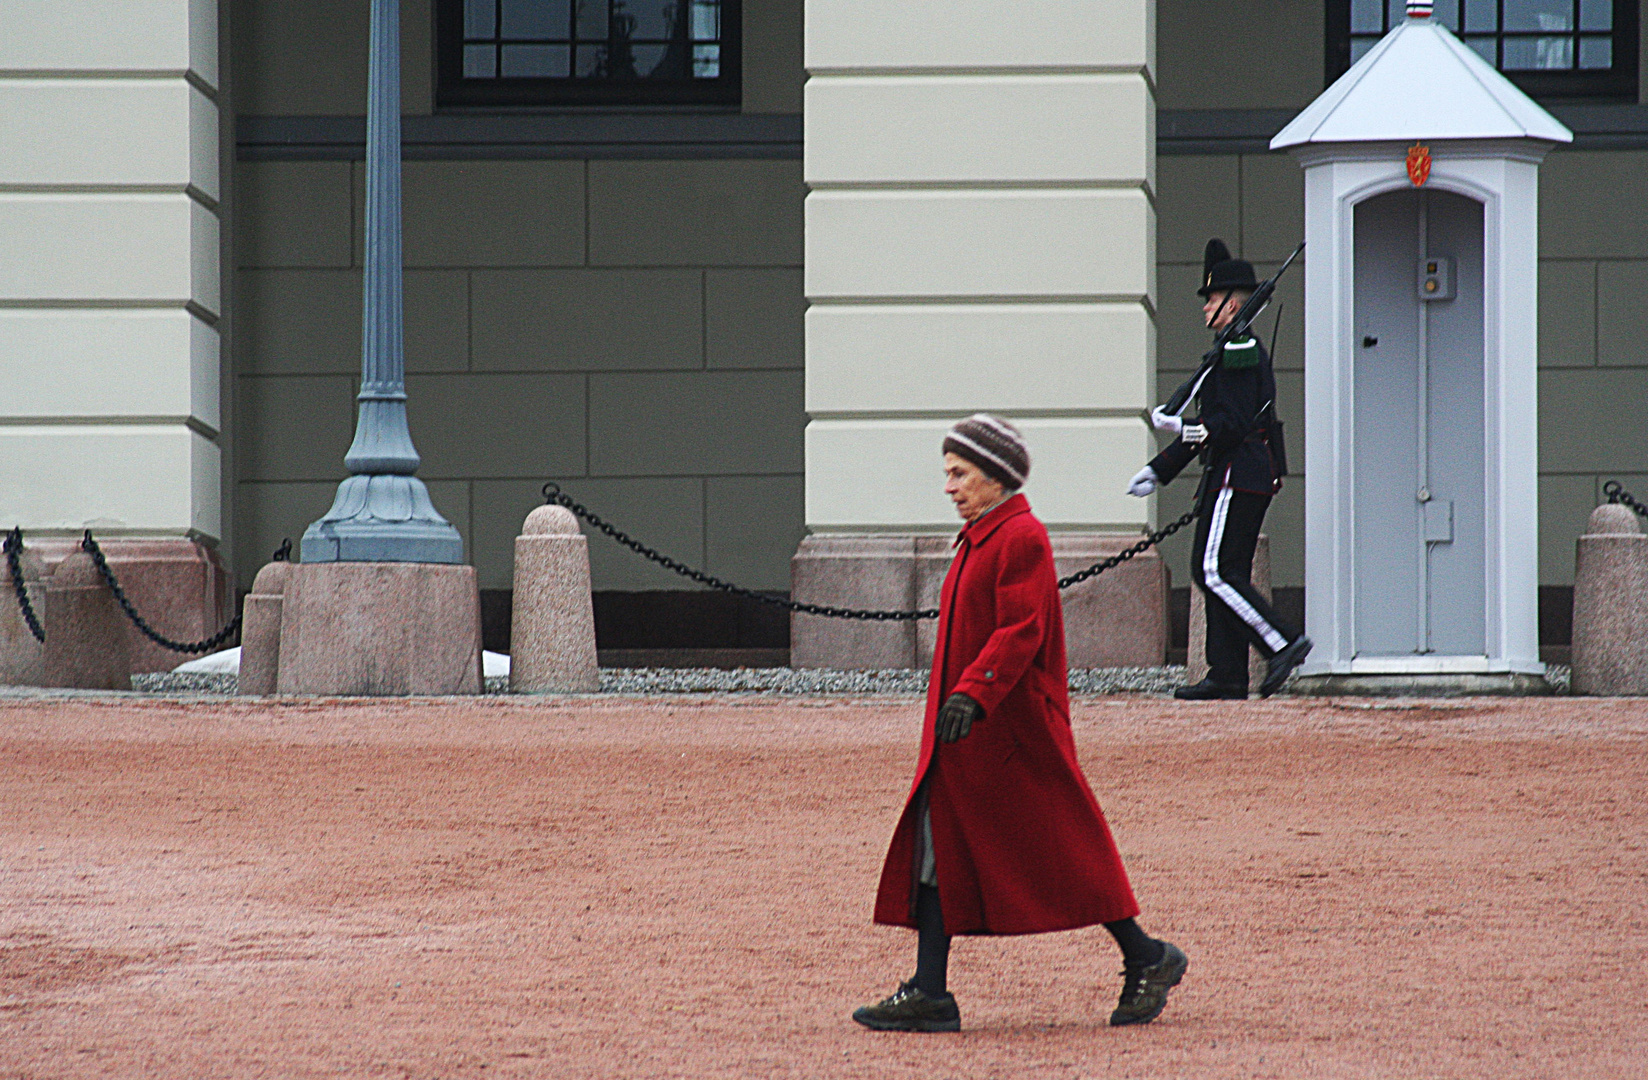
(1144, 989)
(909, 1009)
(1208, 690)
(1282, 664)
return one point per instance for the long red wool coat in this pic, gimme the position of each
(1020, 843)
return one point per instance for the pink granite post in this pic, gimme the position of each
(1610, 641)
(179, 587)
(86, 641)
(934, 554)
(260, 631)
(552, 630)
(380, 628)
(1196, 653)
(874, 572)
(22, 658)
(1118, 619)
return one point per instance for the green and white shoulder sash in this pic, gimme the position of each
(1242, 353)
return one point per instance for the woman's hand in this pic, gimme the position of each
(956, 717)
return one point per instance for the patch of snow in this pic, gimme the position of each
(226, 662)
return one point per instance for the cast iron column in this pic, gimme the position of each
(382, 512)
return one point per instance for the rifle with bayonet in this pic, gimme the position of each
(1238, 328)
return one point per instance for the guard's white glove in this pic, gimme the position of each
(1164, 421)
(1143, 483)
(1193, 434)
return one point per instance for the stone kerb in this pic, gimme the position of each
(179, 587)
(872, 572)
(86, 641)
(552, 632)
(1118, 619)
(1610, 634)
(260, 631)
(22, 658)
(1196, 654)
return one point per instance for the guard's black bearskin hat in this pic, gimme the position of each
(1221, 273)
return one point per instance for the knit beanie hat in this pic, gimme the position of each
(992, 444)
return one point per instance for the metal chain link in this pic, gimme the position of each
(1618, 495)
(554, 496)
(1122, 556)
(14, 551)
(89, 546)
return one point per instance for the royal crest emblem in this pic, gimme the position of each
(1419, 164)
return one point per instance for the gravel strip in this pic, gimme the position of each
(1154, 681)
(780, 681)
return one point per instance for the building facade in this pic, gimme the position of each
(607, 284)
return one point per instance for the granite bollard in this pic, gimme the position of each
(260, 631)
(552, 624)
(1196, 652)
(86, 641)
(1610, 634)
(22, 658)
(380, 628)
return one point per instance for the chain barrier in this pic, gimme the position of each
(1619, 496)
(554, 496)
(14, 551)
(89, 546)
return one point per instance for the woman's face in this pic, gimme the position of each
(969, 487)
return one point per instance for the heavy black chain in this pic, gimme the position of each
(14, 551)
(1617, 494)
(89, 546)
(556, 497)
(1122, 556)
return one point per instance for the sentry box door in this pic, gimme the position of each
(1419, 442)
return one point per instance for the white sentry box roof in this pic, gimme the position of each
(1420, 82)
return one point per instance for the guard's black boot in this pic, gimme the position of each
(1208, 690)
(909, 1009)
(1144, 989)
(1282, 664)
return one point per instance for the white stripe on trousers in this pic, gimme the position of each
(1222, 588)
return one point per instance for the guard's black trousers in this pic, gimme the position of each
(1221, 564)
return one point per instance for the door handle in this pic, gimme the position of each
(1369, 341)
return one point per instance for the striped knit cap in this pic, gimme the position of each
(992, 444)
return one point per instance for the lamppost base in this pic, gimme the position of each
(382, 518)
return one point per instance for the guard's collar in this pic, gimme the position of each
(981, 528)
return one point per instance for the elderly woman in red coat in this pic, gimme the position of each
(1001, 834)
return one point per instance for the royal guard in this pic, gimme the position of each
(1237, 438)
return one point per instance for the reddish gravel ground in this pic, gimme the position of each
(682, 888)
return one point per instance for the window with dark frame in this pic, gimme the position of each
(588, 52)
(1549, 48)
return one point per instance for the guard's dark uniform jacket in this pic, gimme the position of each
(1245, 465)
(1238, 448)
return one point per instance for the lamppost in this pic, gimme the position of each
(382, 512)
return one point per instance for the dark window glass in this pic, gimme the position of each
(1550, 48)
(588, 52)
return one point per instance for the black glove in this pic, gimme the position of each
(956, 717)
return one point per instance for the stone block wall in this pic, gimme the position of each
(629, 328)
(980, 233)
(110, 296)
